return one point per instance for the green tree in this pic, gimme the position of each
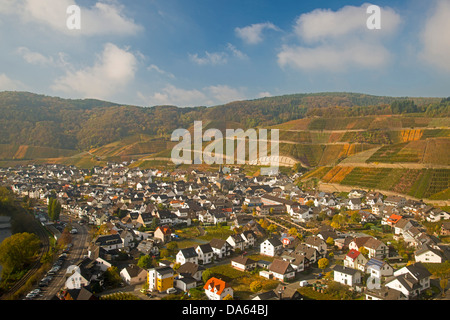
(172, 247)
(164, 253)
(207, 274)
(112, 276)
(145, 262)
(18, 251)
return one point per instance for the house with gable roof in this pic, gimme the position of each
(356, 260)
(270, 247)
(217, 289)
(281, 270)
(132, 274)
(205, 253)
(187, 255)
(346, 276)
(410, 280)
(220, 248)
(379, 268)
(376, 248)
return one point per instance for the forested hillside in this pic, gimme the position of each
(37, 120)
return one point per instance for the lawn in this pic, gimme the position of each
(240, 281)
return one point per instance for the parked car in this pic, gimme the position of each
(171, 290)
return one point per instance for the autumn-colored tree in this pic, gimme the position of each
(330, 241)
(65, 238)
(323, 263)
(272, 228)
(293, 231)
(256, 286)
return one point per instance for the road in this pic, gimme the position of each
(76, 253)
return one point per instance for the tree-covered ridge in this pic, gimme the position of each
(38, 120)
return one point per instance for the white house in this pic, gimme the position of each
(347, 276)
(410, 280)
(217, 289)
(132, 274)
(269, 247)
(282, 270)
(355, 259)
(243, 263)
(221, 248)
(427, 254)
(205, 253)
(379, 268)
(236, 242)
(78, 278)
(436, 215)
(187, 255)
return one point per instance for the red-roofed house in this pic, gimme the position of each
(217, 289)
(392, 220)
(355, 259)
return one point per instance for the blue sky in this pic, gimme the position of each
(209, 52)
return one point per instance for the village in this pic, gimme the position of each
(224, 235)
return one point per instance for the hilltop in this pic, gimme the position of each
(335, 135)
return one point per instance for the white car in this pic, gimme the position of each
(171, 290)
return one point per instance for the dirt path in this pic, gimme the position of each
(399, 165)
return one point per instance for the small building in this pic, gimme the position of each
(243, 263)
(347, 276)
(217, 289)
(187, 255)
(270, 247)
(282, 270)
(160, 278)
(133, 274)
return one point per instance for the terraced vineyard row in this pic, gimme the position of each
(419, 183)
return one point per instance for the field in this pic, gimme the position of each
(365, 177)
(431, 184)
(25, 152)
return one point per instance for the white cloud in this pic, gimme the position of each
(153, 67)
(435, 37)
(34, 57)
(114, 69)
(223, 94)
(237, 53)
(321, 24)
(336, 41)
(264, 94)
(253, 34)
(218, 58)
(8, 84)
(207, 96)
(214, 58)
(171, 95)
(103, 18)
(334, 58)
